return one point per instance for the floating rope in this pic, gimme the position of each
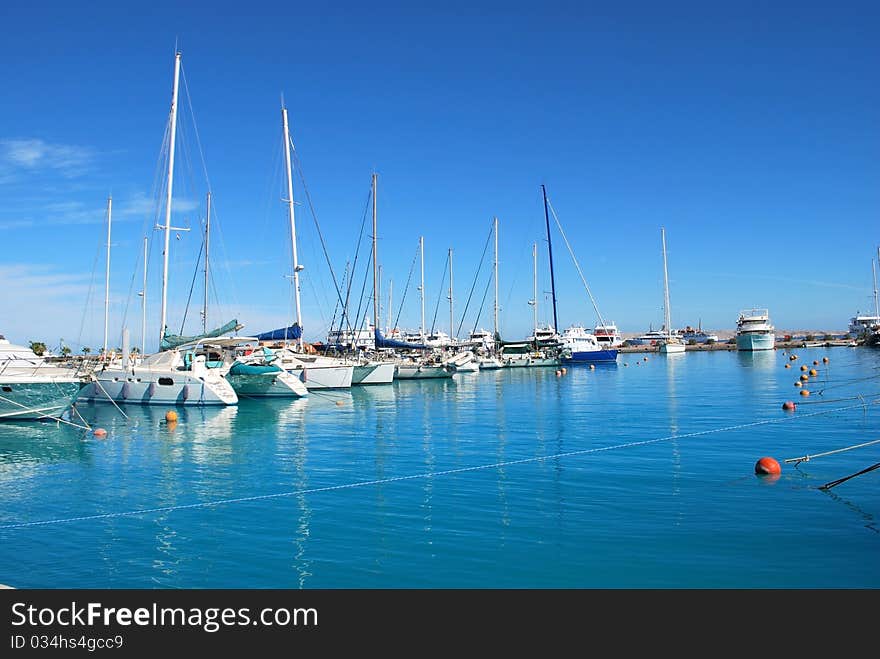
(807, 458)
(410, 477)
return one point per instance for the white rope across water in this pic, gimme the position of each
(432, 474)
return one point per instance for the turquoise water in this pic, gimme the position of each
(499, 479)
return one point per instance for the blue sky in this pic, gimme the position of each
(750, 131)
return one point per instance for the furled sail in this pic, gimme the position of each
(382, 342)
(292, 333)
(174, 340)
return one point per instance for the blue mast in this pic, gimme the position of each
(550, 251)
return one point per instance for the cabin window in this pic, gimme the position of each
(166, 381)
(7, 388)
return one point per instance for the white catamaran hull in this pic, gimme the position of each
(146, 387)
(420, 372)
(373, 373)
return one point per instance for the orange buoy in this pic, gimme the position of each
(798, 383)
(805, 392)
(789, 406)
(815, 362)
(825, 360)
(767, 467)
(803, 367)
(793, 357)
(814, 372)
(99, 432)
(805, 377)
(170, 416)
(788, 366)
(564, 370)
(339, 403)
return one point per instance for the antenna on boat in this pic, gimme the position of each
(550, 253)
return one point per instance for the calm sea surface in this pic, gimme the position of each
(635, 475)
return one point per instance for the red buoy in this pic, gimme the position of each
(767, 467)
(99, 432)
(789, 406)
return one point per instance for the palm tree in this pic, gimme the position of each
(65, 350)
(86, 350)
(38, 347)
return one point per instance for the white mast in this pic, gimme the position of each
(451, 318)
(666, 315)
(390, 289)
(144, 305)
(207, 265)
(296, 266)
(167, 226)
(874, 273)
(107, 278)
(422, 287)
(495, 325)
(534, 301)
(375, 262)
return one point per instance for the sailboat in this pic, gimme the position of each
(670, 344)
(578, 344)
(172, 376)
(316, 371)
(417, 367)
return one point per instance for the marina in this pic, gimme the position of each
(505, 478)
(231, 360)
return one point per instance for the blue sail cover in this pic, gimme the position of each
(294, 332)
(382, 342)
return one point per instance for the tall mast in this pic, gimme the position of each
(390, 290)
(375, 261)
(451, 316)
(168, 186)
(296, 266)
(550, 253)
(107, 278)
(207, 265)
(666, 315)
(495, 328)
(874, 273)
(534, 301)
(144, 304)
(422, 287)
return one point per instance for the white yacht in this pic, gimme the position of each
(173, 377)
(579, 345)
(32, 387)
(863, 324)
(754, 331)
(608, 335)
(316, 371)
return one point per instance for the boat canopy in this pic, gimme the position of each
(176, 340)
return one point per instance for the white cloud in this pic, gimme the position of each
(35, 154)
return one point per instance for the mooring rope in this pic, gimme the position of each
(410, 477)
(807, 458)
